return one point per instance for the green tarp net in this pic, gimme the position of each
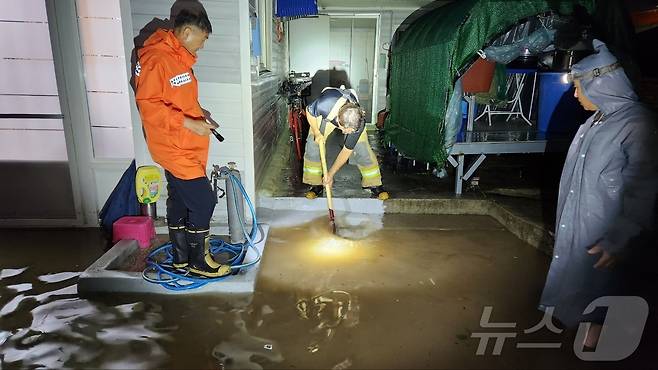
(425, 60)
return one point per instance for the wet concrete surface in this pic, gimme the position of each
(408, 293)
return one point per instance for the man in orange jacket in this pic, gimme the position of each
(177, 135)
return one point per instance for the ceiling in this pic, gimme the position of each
(379, 4)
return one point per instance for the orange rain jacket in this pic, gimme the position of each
(166, 91)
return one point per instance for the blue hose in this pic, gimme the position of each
(174, 281)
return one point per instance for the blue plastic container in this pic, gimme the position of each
(462, 127)
(559, 110)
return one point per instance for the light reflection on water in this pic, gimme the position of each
(68, 332)
(7, 273)
(327, 312)
(236, 351)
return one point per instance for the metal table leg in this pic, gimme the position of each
(471, 112)
(460, 174)
(474, 166)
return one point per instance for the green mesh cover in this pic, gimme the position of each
(427, 55)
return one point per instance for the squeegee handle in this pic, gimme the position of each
(323, 159)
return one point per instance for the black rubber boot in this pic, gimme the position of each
(201, 261)
(179, 247)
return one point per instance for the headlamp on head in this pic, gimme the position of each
(594, 73)
(567, 78)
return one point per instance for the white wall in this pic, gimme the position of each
(269, 120)
(331, 43)
(29, 86)
(309, 44)
(88, 62)
(99, 23)
(222, 69)
(352, 49)
(36, 182)
(107, 96)
(310, 36)
(269, 109)
(389, 21)
(102, 128)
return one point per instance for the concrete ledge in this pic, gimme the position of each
(359, 205)
(532, 233)
(104, 275)
(440, 206)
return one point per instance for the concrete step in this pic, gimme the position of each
(110, 275)
(357, 205)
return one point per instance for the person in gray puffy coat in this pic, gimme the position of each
(607, 194)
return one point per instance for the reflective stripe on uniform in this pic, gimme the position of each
(370, 172)
(312, 173)
(316, 171)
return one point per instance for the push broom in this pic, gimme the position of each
(327, 189)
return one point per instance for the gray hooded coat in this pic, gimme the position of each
(608, 190)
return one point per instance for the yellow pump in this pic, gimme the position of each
(147, 184)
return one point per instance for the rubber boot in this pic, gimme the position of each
(314, 192)
(179, 248)
(201, 261)
(379, 192)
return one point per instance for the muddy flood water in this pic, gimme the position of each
(408, 292)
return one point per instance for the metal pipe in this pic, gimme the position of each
(234, 203)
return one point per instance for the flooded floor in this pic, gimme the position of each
(406, 291)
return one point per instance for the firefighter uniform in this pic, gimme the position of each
(324, 111)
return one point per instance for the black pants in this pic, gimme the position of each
(190, 202)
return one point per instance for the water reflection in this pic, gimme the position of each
(57, 277)
(327, 312)
(20, 287)
(17, 300)
(7, 273)
(76, 333)
(309, 310)
(45, 324)
(55, 329)
(358, 226)
(242, 350)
